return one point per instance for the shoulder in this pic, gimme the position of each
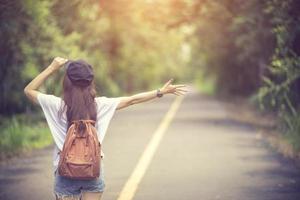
(48, 100)
(107, 102)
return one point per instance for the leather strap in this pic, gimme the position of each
(84, 121)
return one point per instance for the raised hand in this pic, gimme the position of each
(168, 88)
(58, 62)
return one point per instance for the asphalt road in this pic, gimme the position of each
(204, 154)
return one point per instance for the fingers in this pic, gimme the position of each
(65, 60)
(178, 92)
(58, 62)
(175, 86)
(61, 60)
(168, 82)
(175, 89)
(182, 90)
(178, 86)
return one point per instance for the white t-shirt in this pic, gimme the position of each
(58, 125)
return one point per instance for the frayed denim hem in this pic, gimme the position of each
(59, 196)
(100, 191)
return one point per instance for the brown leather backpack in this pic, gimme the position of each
(80, 157)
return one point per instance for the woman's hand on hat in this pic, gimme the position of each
(168, 88)
(58, 62)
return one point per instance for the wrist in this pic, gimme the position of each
(159, 93)
(162, 91)
(52, 68)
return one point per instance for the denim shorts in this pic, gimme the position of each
(66, 187)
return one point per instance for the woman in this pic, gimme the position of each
(80, 102)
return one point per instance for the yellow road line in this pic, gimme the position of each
(135, 178)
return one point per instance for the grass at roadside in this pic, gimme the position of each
(22, 134)
(290, 126)
(280, 132)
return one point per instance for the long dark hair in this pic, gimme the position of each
(79, 101)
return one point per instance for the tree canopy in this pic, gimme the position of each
(241, 47)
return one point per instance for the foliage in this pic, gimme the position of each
(253, 48)
(283, 80)
(230, 47)
(17, 134)
(249, 48)
(282, 84)
(291, 127)
(128, 48)
(236, 43)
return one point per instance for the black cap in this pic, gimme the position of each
(80, 72)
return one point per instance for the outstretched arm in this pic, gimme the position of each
(168, 88)
(31, 89)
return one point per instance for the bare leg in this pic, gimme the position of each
(91, 195)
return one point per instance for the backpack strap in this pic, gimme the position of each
(84, 121)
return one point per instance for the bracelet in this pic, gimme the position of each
(158, 94)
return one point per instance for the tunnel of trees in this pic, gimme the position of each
(230, 47)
